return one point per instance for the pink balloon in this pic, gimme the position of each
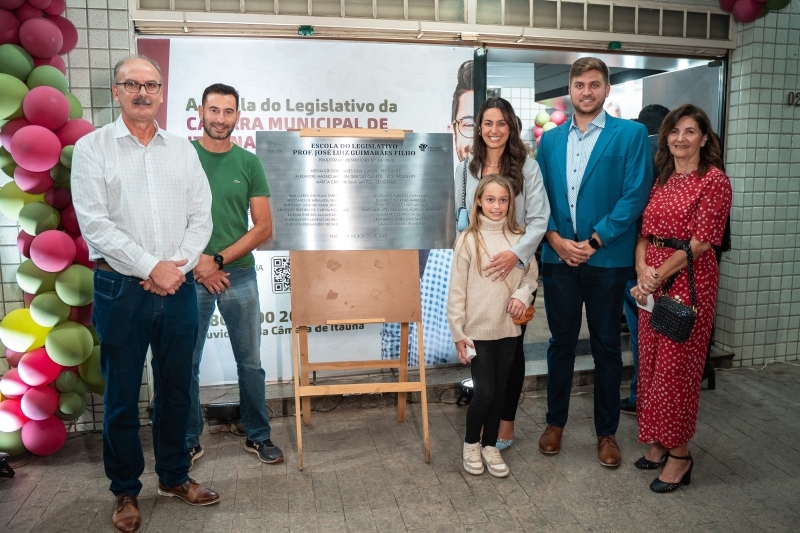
(13, 357)
(57, 197)
(73, 130)
(11, 416)
(727, 5)
(56, 7)
(9, 27)
(28, 12)
(36, 368)
(537, 131)
(39, 402)
(44, 437)
(12, 385)
(41, 38)
(82, 253)
(559, 117)
(35, 148)
(10, 128)
(40, 4)
(70, 221)
(32, 182)
(11, 4)
(53, 251)
(82, 315)
(24, 243)
(46, 107)
(744, 11)
(68, 32)
(27, 298)
(54, 61)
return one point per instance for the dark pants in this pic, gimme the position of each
(128, 320)
(489, 375)
(516, 377)
(566, 290)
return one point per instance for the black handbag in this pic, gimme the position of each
(671, 317)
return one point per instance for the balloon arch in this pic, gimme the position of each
(51, 346)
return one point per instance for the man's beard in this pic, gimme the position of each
(598, 106)
(213, 135)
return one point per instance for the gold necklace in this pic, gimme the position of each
(491, 165)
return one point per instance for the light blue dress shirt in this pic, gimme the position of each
(579, 149)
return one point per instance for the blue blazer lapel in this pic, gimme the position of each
(561, 154)
(600, 146)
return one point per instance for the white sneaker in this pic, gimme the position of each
(472, 458)
(494, 463)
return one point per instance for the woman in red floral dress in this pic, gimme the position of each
(690, 202)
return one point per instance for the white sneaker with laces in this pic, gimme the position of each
(472, 458)
(494, 462)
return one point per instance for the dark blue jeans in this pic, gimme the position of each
(566, 290)
(128, 320)
(632, 319)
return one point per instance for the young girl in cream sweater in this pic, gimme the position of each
(480, 312)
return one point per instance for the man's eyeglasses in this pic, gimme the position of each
(134, 87)
(466, 126)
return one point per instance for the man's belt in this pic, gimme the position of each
(659, 242)
(103, 265)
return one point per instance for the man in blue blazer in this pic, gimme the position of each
(597, 174)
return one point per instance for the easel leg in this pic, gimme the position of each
(426, 440)
(402, 371)
(297, 406)
(305, 403)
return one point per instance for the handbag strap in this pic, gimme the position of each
(690, 267)
(464, 185)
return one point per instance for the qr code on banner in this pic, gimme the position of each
(281, 276)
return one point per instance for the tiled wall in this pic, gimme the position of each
(758, 314)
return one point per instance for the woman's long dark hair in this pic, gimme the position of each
(709, 154)
(515, 153)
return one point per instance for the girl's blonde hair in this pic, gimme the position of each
(474, 227)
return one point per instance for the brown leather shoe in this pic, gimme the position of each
(191, 492)
(550, 441)
(126, 517)
(608, 451)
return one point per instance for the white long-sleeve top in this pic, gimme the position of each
(476, 305)
(138, 205)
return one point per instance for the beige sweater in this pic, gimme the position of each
(476, 305)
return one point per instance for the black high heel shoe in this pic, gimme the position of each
(661, 486)
(646, 464)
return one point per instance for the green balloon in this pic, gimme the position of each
(68, 344)
(12, 91)
(75, 107)
(33, 279)
(49, 76)
(48, 310)
(75, 286)
(7, 163)
(66, 381)
(774, 5)
(60, 174)
(13, 199)
(66, 155)
(69, 402)
(16, 61)
(11, 443)
(95, 336)
(82, 387)
(37, 217)
(97, 389)
(77, 414)
(89, 370)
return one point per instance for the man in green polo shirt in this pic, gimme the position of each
(225, 273)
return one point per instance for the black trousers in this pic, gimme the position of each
(489, 376)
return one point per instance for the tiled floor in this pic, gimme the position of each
(365, 472)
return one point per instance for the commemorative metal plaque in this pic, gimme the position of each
(333, 193)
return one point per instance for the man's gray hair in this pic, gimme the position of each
(143, 58)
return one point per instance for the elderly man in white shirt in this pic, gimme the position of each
(144, 207)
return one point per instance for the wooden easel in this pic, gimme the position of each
(355, 287)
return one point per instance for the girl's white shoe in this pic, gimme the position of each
(472, 458)
(494, 463)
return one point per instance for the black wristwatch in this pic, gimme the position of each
(594, 244)
(219, 260)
